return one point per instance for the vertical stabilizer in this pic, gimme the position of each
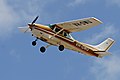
(105, 45)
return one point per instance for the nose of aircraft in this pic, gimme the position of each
(30, 25)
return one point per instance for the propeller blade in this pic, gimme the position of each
(35, 20)
(24, 29)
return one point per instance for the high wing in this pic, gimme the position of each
(79, 25)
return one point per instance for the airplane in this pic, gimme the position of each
(58, 34)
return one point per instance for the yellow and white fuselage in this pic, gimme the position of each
(46, 34)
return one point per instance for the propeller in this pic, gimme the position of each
(26, 30)
(35, 20)
(32, 23)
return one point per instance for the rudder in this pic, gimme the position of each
(105, 45)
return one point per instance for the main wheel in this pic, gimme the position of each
(61, 47)
(34, 43)
(42, 49)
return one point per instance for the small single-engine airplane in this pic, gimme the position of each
(58, 34)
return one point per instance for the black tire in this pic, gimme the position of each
(42, 49)
(61, 47)
(34, 43)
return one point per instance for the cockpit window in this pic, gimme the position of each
(57, 29)
(52, 26)
(63, 33)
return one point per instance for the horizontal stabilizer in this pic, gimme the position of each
(101, 53)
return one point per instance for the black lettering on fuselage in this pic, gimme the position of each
(82, 47)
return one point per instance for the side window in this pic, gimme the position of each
(57, 29)
(61, 32)
(65, 34)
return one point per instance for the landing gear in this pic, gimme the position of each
(42, 49)
(61, 47)
(34, 43)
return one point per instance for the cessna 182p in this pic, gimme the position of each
(58, 34)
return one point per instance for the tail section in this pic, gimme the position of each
(105, 45)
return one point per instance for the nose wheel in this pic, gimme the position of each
(34, 42)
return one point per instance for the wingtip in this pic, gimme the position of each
(97, 20)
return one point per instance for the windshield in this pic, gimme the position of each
(51, 26)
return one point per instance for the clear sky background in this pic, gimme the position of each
(19, 60)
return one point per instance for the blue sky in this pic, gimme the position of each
(19, 60)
